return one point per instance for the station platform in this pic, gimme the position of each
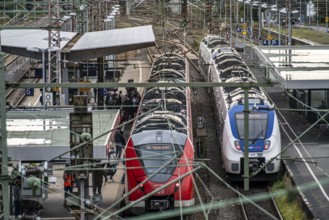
(306, 160)
(53, 206)
(137, 69)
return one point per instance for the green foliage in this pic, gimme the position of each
(308, 34)
(288, 203)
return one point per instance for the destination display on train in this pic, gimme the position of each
(158, 147)
(252, 116)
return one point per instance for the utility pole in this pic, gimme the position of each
(289, 30)
(279, 19)
(259, 22)
(54, 39)
(309, 13)
(237, 21)
(300, 14)
(83, 17)
(231, 24)
(251, 35)
(100, 60)
(81, 130)
(317, 14)
(327, 18)
(4, 175)
(246, 174)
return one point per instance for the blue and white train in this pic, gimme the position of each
(220, 63)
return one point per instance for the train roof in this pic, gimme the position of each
(213, 40)
(231, 68)
(40, 135)
(167, 74)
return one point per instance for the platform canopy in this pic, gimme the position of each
(297, 67)
(41, 135)
(77, 47)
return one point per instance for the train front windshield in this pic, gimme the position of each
(257, 125)
(153, 157)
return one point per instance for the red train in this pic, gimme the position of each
(160, 152)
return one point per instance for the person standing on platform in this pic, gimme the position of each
(68, 178)
(124, 171)
(98, 179)
(17, 197)
(120, 143)
(112, 164)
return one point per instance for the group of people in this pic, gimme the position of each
(114, 100)
(128, 104)
(109, 169)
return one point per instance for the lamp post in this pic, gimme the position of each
(326, 17)
(231, 36)
(43, 50)
(251, 21)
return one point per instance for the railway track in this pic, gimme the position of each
(264, 35)
(258, 203)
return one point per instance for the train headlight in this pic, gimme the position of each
(141, 187)
(267, 144)
(237, 145)
(177, 185)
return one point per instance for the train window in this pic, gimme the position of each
(257, 125)
(157, 156)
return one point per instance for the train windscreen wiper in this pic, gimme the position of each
(260, 135)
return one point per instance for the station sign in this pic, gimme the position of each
(48, 99)
(103, 91)
(29, 91)
(271, 42)
(56, 89)
(85, 89)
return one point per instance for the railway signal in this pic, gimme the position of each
(184, 23)
(184, 8)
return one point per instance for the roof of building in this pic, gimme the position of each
(78, 47)
(42, 135)
(297, 67)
